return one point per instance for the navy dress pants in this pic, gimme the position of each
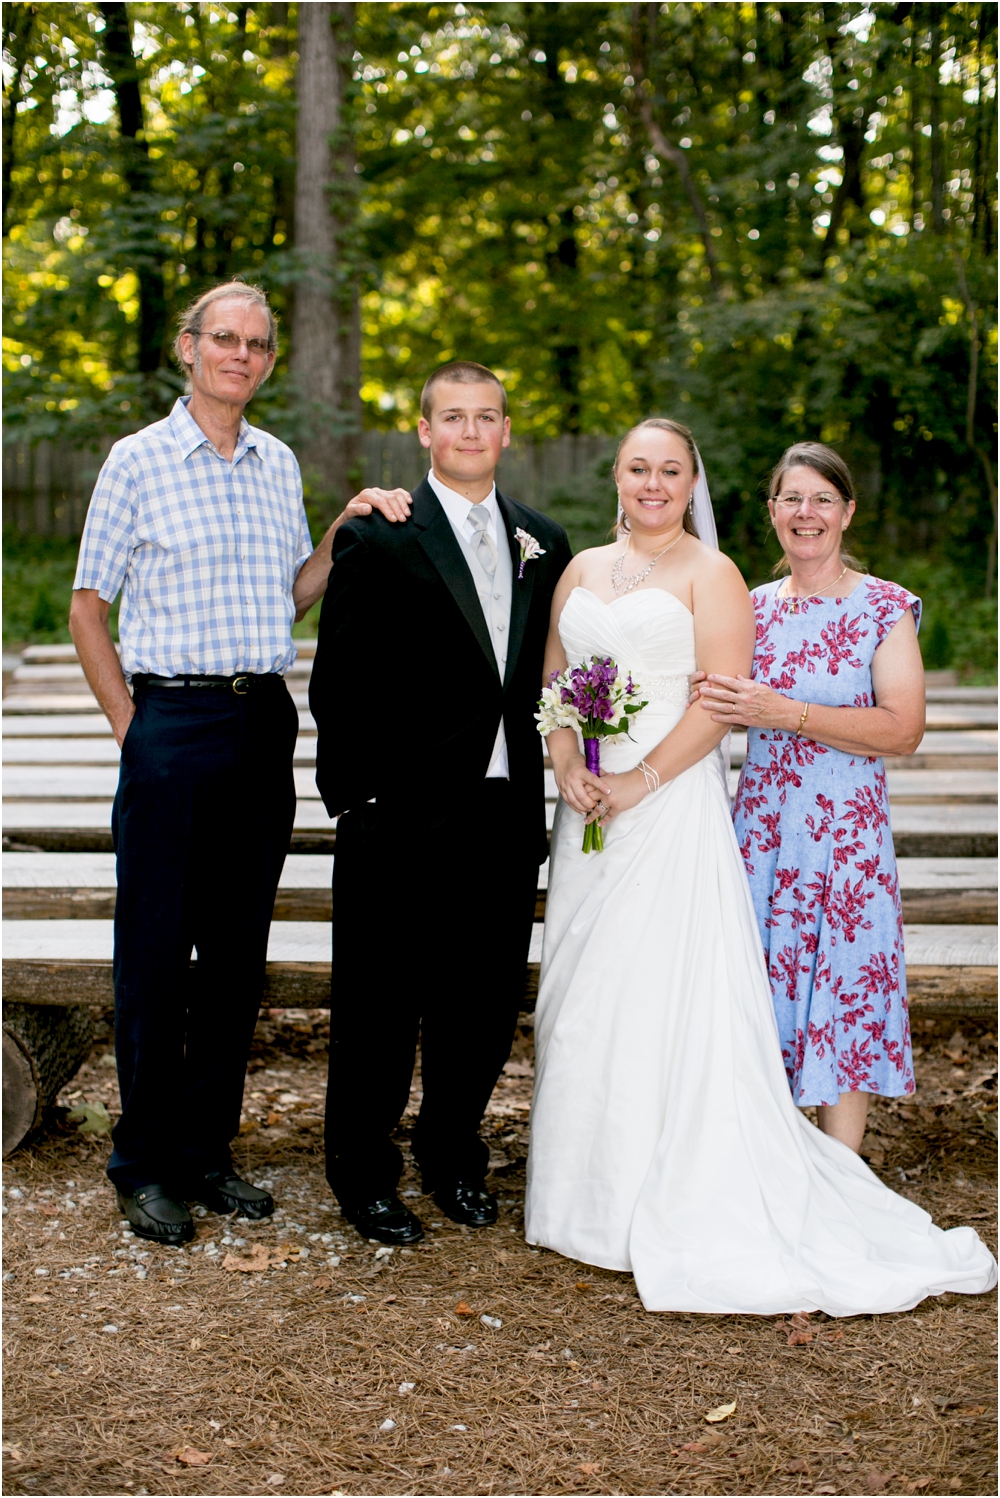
(201, 826)
(431, 929)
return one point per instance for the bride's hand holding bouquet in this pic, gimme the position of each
(595, 700)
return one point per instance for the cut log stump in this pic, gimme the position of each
(44, 1045)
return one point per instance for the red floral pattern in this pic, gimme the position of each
(813, 827)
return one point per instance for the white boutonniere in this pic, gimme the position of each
(530, 549)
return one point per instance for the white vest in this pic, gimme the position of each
(495, 601)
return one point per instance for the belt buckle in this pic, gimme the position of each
(241, 685)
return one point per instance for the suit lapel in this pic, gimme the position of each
(521, 591)
(439, 544)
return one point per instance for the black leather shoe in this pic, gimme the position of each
(156, 1215)
(387, 1220)
(225, 1193)
(471, 1205)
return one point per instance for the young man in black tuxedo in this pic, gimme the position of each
(424, 689)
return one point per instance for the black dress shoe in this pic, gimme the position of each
(156, 1215)
(387, 1220)
(471, 1205)
(225, 1192)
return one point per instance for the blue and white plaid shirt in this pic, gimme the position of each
(204, 551)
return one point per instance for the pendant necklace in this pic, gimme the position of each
(793, 599)
(623, 584)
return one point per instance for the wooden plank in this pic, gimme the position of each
(971, 907)
(933, 990)
(938, 990)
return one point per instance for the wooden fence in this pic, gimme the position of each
(46, 488)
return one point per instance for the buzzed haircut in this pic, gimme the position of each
(462, 372)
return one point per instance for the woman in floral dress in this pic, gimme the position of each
(837, 683)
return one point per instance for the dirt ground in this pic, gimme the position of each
(138, 1370)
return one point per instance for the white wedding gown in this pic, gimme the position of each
(664, 1138)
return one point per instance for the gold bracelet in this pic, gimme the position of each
(802, 720)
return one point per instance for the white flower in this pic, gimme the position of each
(530, 549)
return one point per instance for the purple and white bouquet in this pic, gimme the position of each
(597, 700)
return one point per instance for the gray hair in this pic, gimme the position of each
(192, 319)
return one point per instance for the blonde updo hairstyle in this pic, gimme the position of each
(662, 424)
(830, 466)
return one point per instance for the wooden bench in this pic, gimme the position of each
(950, 969)
(47, 886)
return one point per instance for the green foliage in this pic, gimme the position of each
(37, 585)
(756, 218)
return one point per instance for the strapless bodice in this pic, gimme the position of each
(648, 632)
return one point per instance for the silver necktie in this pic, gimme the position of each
(482, 546)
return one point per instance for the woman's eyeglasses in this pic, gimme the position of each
(821, 501)
(234, 341)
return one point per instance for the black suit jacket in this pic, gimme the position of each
(405, 688)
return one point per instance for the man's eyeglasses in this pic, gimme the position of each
(234, 341)
(820, 501)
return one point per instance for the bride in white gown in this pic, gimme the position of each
(664, 1138)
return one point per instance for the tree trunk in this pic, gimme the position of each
(916, 206)
(44, 1045)
(119, 60)
(325, 365)
(665, 148)
(17, 33)
(937, 153)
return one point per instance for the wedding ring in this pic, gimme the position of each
(603, 809)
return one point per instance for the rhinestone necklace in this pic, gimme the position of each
(623, 584)
(792, 599)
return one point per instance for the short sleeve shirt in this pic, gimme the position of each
(204, 551)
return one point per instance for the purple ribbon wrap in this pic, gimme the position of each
(592, 754)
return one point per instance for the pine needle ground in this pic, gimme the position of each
(136, 1370)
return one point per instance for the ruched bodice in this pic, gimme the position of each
(649, 633)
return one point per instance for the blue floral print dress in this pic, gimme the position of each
(813, 827)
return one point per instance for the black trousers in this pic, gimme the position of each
(201, 826)
(430, 939)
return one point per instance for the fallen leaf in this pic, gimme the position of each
(583, 1285)
(464, 1309)
(92, 1118)
(721, 1412)
(258, 1259)
(696, 1446)
(797, 1464)
(799, 1338)
(875, 1480)
(190, 1456)
(965, 1409)
(826, 1487)
(196, 1344)
(921, 1482)
(322, 1282)
(38, 1300)
(14, 1452)
(589, 1469)
(272, 1119)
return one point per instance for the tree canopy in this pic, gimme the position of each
(773, 221)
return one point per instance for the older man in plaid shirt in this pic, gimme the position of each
(198, 521)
